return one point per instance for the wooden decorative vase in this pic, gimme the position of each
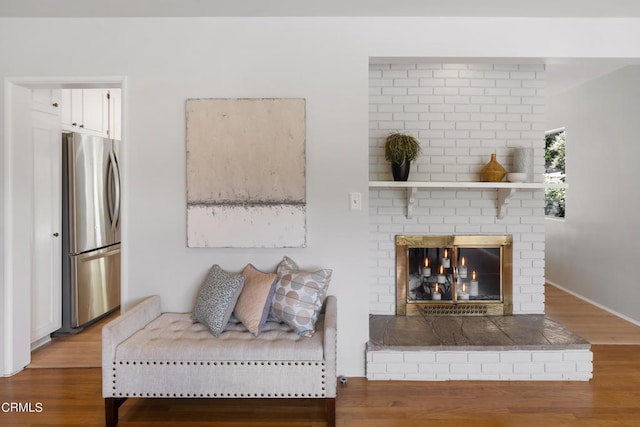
(493, 171)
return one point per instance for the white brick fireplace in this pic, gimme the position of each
(460, 113)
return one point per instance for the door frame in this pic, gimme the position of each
(15, 346)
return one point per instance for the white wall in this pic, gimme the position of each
(168, 61)
(594, 252)
(323, 60)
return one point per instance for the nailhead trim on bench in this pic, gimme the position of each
(220, 395)
(224, 363)
(235, 363)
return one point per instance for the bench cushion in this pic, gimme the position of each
(175, 337)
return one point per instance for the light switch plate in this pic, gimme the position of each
(355, 201)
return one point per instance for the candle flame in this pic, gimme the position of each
(441, 269)
(446, 254)
(436, 289)
(463, 261)
(426, 262)
(464, 287)
(473, 275)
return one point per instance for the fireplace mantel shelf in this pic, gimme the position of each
(505, 190)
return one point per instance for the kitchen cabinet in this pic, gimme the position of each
(71, 108)
(115, 113)
(95, 110)
(46, 100)
(91, 111)
(45, 221)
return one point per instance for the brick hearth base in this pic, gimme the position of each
(520, 347)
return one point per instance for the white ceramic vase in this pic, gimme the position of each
(523, 162)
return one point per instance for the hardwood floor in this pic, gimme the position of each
(73, 351)
(590, 322)
(72, 397)
(610, 399)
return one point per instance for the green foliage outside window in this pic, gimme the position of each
(554, 162)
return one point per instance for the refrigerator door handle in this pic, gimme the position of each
(115, 171)
(109, 190)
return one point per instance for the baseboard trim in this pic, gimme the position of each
(40, 342)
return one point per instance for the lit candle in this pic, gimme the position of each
(426, 270)
(441, 278)
(446, 261)
(473, 285)
(463, 294)
(436, 295)
(462, 270)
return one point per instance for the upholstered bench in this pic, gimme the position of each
(150, 354)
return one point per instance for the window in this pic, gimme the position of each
(554, 163)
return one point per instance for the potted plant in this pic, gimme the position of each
(401, 150)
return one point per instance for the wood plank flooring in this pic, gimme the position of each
(72, 397)
(610, 399)
(590, 322)
(73, 351)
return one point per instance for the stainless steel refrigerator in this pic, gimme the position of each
(90, 230)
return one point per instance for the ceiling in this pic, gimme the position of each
(560, 75)
(334, 8)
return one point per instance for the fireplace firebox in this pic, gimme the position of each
(454, 275)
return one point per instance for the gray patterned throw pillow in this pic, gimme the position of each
(299, 296)
(217, 299)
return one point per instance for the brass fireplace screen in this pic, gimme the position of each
(454, 275)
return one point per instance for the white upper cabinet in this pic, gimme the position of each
(92, 111)
(46, 100)
(95, 110)
(115, 114)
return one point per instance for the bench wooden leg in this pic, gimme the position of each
(331, 412)
(111, 405)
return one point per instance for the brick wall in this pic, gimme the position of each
(461, 113)
(500, 365)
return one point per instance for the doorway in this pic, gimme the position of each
(18, 230)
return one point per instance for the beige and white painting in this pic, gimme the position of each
(246, 173)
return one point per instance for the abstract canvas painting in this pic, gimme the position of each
(246, 182)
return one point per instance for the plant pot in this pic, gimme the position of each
(400, 171)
